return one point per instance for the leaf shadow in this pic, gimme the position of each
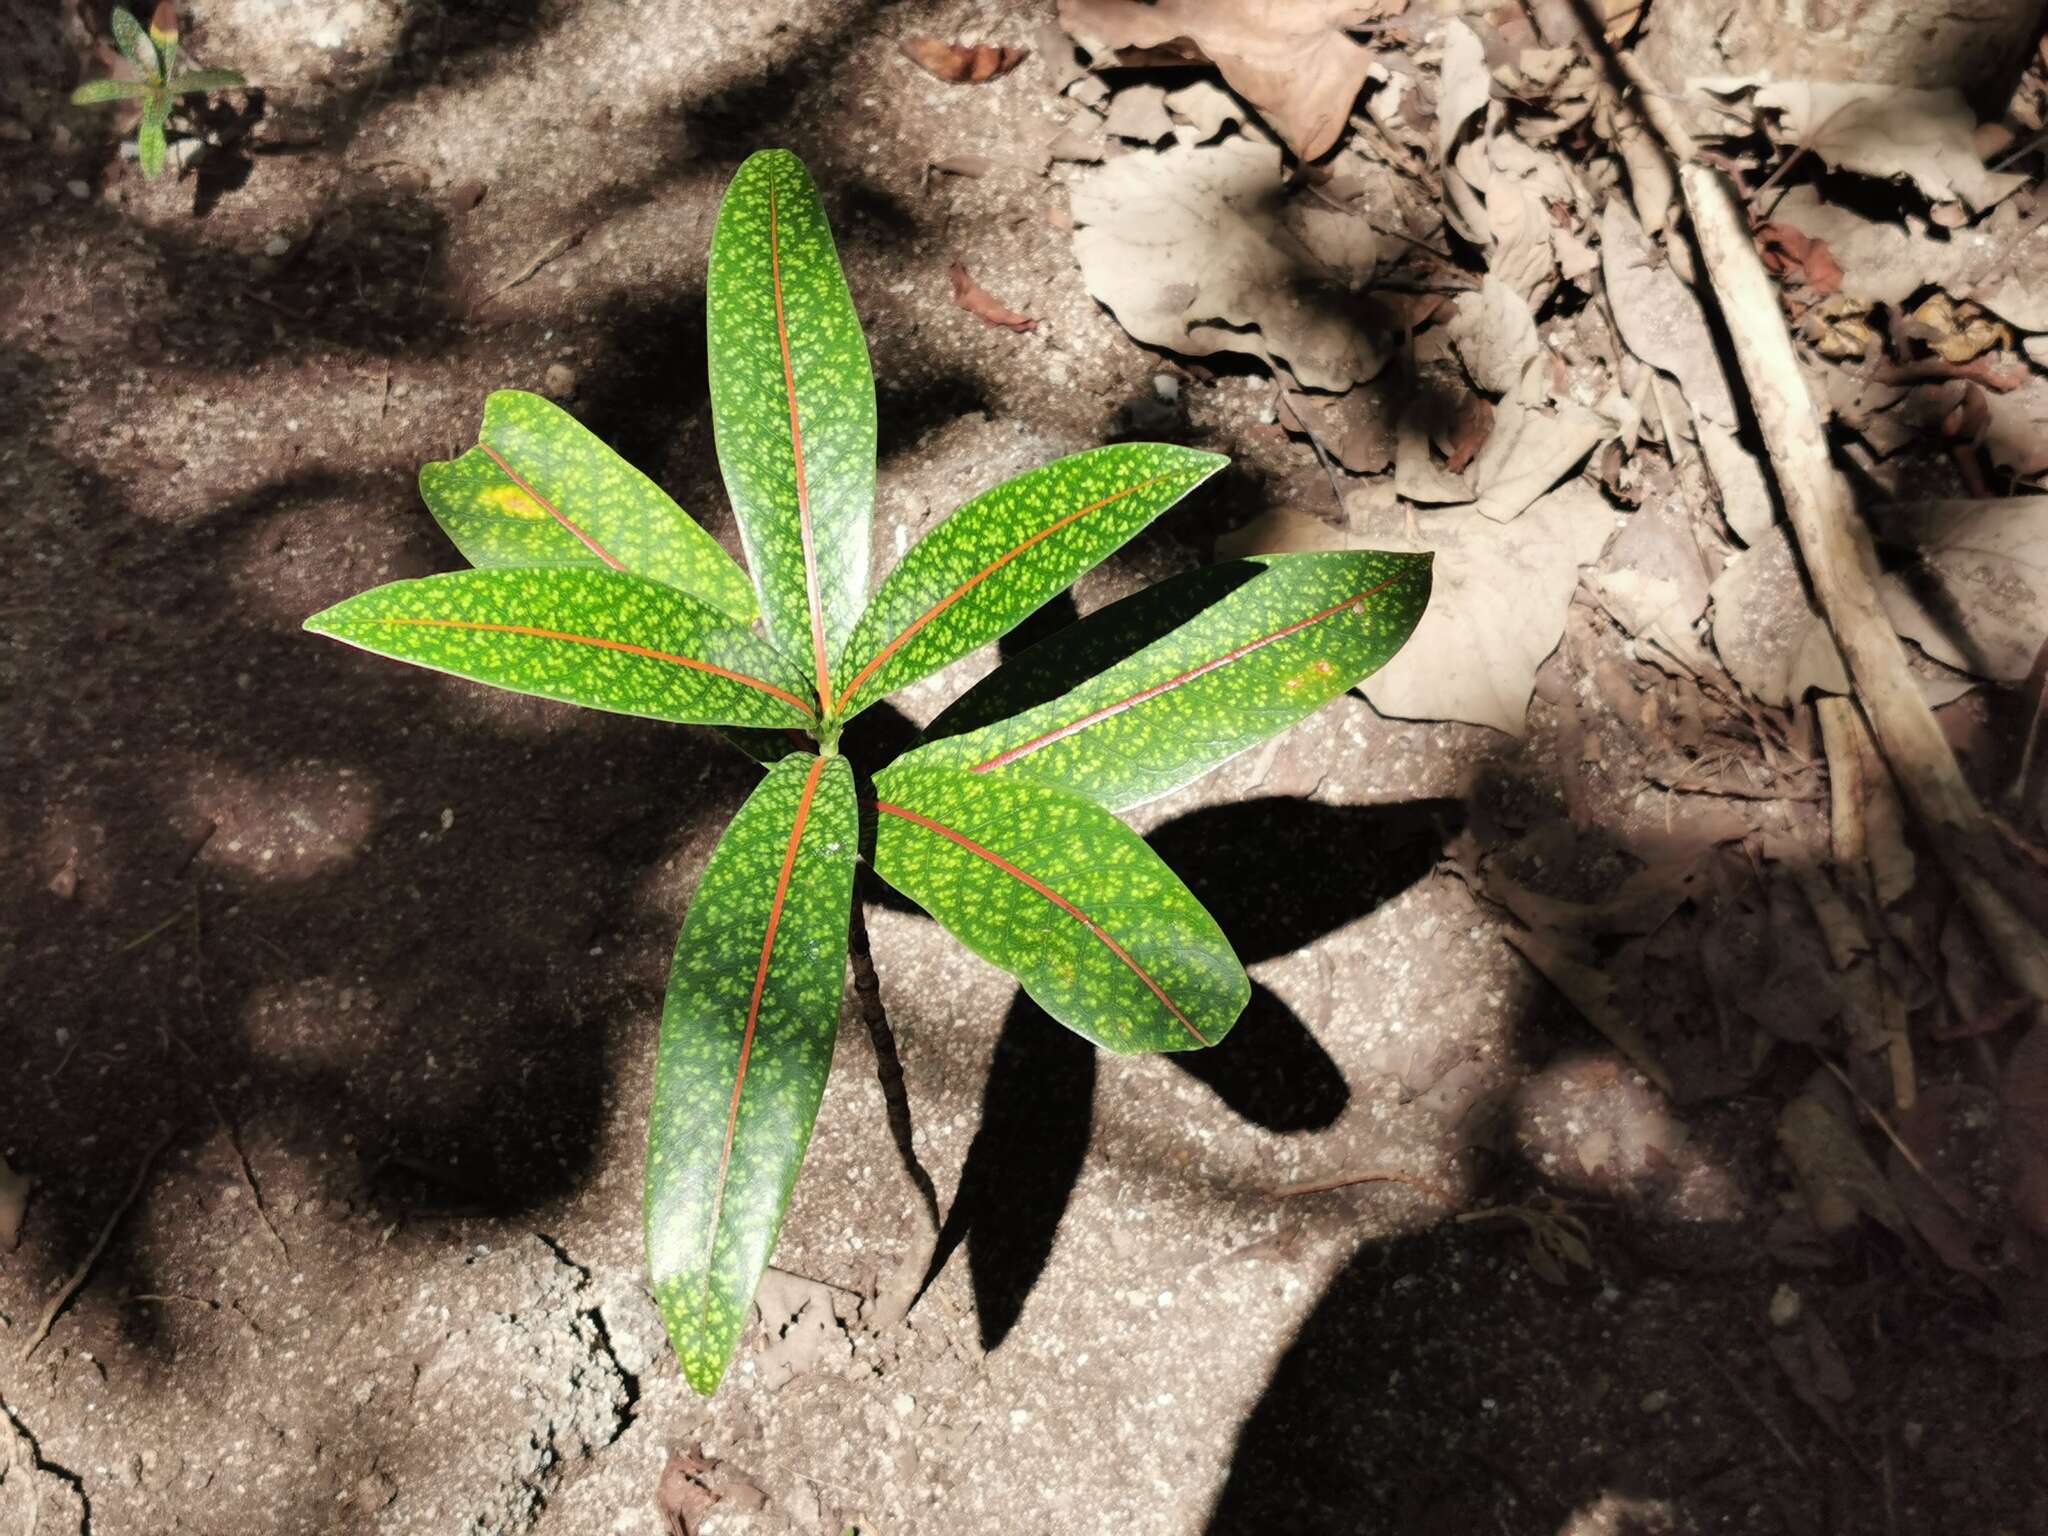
(1243, 861)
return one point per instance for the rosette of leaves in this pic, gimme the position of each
(154, 53)
(590, 585)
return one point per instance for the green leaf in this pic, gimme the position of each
(989, 566)
(1064, 897)
(540, 488)
(596, 637)
(1269, 654)
(1071, 656)
(150, 147)
(746, 1043)
(94, 92)
(206, 80)
(135, 45)
(792, 408)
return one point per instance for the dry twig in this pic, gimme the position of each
(77, 1277)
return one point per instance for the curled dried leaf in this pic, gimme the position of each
(977, 300)
(962, 63)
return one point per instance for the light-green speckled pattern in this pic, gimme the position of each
(746, 1044)
(1267, 655)
(989, 566)
(540, 488)
(792, 407)
(1067, 899)
(584, 634)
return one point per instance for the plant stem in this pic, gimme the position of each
(888, 1065)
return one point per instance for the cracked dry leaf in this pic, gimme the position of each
(1496, 610)
(1928, 137)
(962, 63)
(1533, 445)
(1774, 642)
(1292, 60)
(979, 302)
(1654, 583)
(1996, 262)
(1660, 318)
(1962, 331)
(1494, 331)
(1196, 246)
(1138, 113)
(1977, 596)
(1206, 108)
(1836, 1176)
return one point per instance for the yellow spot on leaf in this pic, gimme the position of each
(513, 502)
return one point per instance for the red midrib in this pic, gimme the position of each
(550, 508)
(796, 448)
(967, 586)
(601, 643)
(732, 1118)
(1050, 895)
(1004, 759)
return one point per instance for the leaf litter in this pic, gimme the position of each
(1462, 257)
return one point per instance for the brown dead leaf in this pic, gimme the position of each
(1790, 253)
(962, 63)
(1293, 60)
(1470, 429)
(977, 300)
(682, 1496)
(1835, 1174)
(1475, 654)
(1958, 332)
(1200, 249)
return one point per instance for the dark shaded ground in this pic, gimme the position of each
(389, 949)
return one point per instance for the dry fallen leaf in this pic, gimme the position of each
(1958, 332)
(1654, 583)
(1834, 1172)
(977, 300)
(1997, 262)
(1494, 331)
(1138, 113)
(1789, 252)
(1775, 643)
(1977, 595)
(1888, 130)
(1661, 319)
(962, 63)
(1496, 610)
(682, 1496)
(1280, 531)
(1196, 249)
(1291, 59)
(1533, 444)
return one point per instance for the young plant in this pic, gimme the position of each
(593, 587)
(155, 54)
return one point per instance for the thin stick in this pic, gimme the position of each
(1370, 1176)
(78, 1276)
(1841, 561)
(1749, 1402)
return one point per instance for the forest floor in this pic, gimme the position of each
(332, 986)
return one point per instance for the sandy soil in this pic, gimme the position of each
(381, 953)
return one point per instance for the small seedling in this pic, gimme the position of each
(593, 587)
(155, 54)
